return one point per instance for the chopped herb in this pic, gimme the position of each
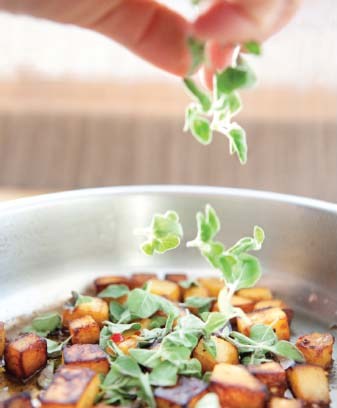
(44, 324)
(114, 291)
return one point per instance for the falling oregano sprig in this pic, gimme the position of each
(214, 112)
(164, 233)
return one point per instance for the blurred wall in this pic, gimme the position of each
(76, 110)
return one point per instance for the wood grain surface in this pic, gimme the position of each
(57, 136)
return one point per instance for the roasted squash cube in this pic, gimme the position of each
(186, 393)
(104, 281)
(98, 309)
(71, 388)
(225, 353)
(21, 400)
(138, 280)
(237, 388)
(176, 277)
(274, 317)
(212, 284)
(195, 291)
(165, 288)
(2, 339)
(25, 355)
(272, 375)
(277, 402)
(265, 304)
(247, 305)
(317, 348)
(84, 330)
(309, 383)
(86, 355)
(256, 294)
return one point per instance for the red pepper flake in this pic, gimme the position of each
(117, 337)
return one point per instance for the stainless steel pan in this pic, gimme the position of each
(52, 244)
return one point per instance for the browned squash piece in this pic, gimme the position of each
(71, 388)
(86, 355)
(225, 353)
(264, 304)
(2, 338)
(98, 309)
(138, 280)
(272, 375)
(21, 400)
(84, 330)
(247, 305)
(317, 348)
(104, 281)
(276, 402)
(25, 355)
(186, 393)
(256, 294)
(237, 388)
(195, 291)
(274, 317)
(212, 284)
(165, 288)
(310, 384)
(176, 277)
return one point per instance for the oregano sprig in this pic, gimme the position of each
(261, 343)
(214, 112)
(164, 233)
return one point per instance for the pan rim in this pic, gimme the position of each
(169, 190)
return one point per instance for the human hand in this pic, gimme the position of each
(159, 35)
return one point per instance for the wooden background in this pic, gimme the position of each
(65, 135)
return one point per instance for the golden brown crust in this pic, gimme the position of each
(86, 355)
(317, 348)
(71, 387)
(272, 375)
(98, 309)
(84, 330)
(25, 355)
(138, 280)
(310, 384)
(2, 338)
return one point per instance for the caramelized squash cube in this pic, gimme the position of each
(104, 281)
(212, 284)
(256, 294)
(317, 348)
(195, 291)
(176, 277)
(310, 384)
(247, 305)
(21, 400)
(86, 355)
(186, 393)
(25, 355)
(274, 317)
(265, 304)
(2, 339)
(225, 353)
(277, 402)
(138, 280)
(71, 388)
(84, 330)
(98, 309)
(165, 288)
(272, 375)
(237, 388)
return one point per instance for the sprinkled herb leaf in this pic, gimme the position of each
(164, 233)
(253, 47)
(44, 324)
